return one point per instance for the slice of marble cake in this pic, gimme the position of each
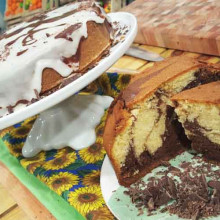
(198, 110)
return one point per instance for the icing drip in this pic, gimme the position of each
(70, 123)
(47, 41)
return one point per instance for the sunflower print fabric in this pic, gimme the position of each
(74, 175)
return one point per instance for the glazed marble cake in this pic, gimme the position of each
(50, 51)
(198, 110)
(142, 129)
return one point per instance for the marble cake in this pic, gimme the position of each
(142, 129)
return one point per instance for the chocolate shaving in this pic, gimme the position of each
(185, 165)
(174, 170)
(165, 163)
(150, 204)
(195, 216)
(172, 188)
(214, 185)
(190, 197)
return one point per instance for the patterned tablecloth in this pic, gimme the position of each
(75, 175)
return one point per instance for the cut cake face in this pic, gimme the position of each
(142, 129)
(198, 110)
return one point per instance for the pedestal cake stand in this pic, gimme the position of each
(54, 109)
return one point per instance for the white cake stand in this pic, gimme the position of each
(115, 53)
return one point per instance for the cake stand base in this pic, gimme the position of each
(70, 123)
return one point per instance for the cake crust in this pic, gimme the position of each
(208, 93)
(149, 80)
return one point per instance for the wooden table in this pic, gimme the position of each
(9, 209)
(16, 201)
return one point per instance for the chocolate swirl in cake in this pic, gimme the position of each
(142, 128)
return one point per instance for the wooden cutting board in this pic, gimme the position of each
(190, 25)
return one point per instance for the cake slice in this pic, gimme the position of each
(198, 110)
(141, 129)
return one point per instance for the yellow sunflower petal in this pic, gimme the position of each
(93, 153)
(113, 93)
(86, 199)
(38, 158)
(92, 178)
(30, 121)
(91, 88)
(33, 166)
(20, 132)
(5, 131)
(104, 83)
(15, 149)
(64, 151)
(99, 131)
(60, 162)
(62, 181)
(100, 128)
(99, 140)
(42, 178)
(123, 81)
(102, 213)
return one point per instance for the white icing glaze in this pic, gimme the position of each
(70, 123)
(20, 75)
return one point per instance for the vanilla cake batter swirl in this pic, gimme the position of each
(44, 42)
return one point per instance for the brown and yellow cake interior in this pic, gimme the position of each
(142, 129)
(198, 110)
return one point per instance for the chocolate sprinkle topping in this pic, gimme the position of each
(195, 195)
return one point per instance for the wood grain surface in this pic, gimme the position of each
(6, 201)
(22, 196)
(185, 25)
(15, 213)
